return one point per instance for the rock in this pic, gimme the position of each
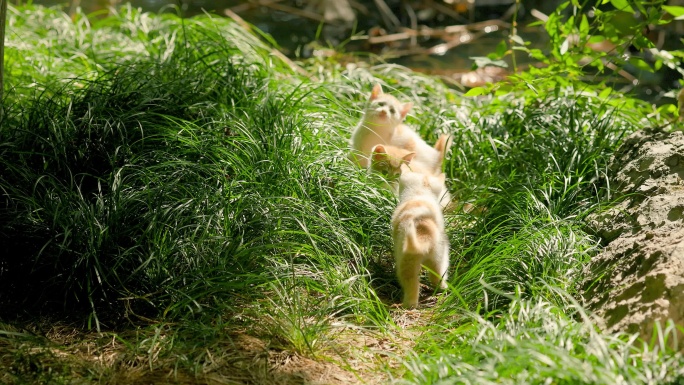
(638, 279)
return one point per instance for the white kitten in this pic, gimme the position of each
(418, 232)
(381, 117)
(382, 124)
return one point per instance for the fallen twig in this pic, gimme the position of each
(438, 49)
(252, 4)
(275, 4)
(446, 33)
(295, 11)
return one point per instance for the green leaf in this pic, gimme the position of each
(537, 54)
(668, 109)
(501, 48)
(476, 91)
(622, 5)
(658, 64)
(584, 26)
(642, 42)
(640, 7)
(570, 61)
(604, 94)
(552, 25)
(596, 39)
(676, 11)
(640, 63)
(482, 61)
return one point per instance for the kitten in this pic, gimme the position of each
(386, 160)
(382, 125)
(381, 117)
(419, 234)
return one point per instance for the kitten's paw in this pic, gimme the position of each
(409, 305)
(401, 306)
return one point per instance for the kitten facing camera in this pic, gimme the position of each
(382, 125)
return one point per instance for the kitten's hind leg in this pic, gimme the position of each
(408, 272)
(437, 267)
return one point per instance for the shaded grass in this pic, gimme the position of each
(162, 184)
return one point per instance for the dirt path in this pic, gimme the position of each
(64, 354)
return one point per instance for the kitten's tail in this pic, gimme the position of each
(420, 235)
(442, 145)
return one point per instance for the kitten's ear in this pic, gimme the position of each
(379, 148)
(408, 157)
(405, 109)
(378, 153)
(377, 91)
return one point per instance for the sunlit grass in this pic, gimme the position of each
(536, 342)
(174, 176)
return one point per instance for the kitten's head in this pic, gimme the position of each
(385, 109)
(387, 160)
(419, 183)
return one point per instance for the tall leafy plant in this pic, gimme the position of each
(599, 40)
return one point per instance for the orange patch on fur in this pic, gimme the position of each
(412, 205)
(425, 229)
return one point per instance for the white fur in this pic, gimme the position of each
(382, 115)
(382, 125)
(419, 235)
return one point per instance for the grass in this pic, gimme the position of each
(177, 207)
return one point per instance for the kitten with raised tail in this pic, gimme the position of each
(442, 146)
(382, 123)
(418, 232)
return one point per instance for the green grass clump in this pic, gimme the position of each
(165, 181)
(536, 342)
(189, 179)
(536, 172)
